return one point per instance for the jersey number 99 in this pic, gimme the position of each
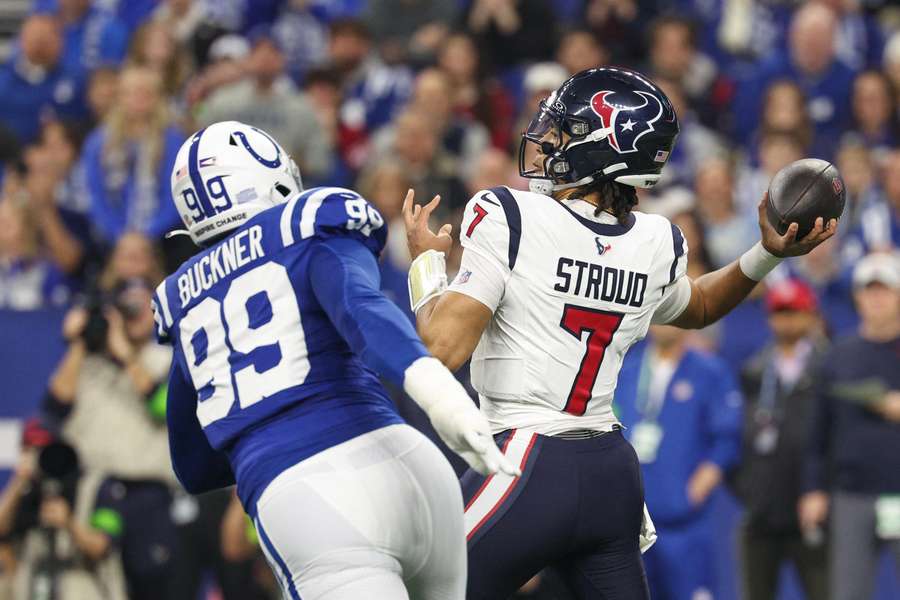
(248, 346)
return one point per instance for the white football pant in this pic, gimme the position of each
(379, 517)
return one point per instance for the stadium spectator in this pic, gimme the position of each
(372, 92)
(60, 212)
(415, 142)
(474, 93)
(101, 92)
(34, 81)
(726, 230)
(853, 463)
(410, 30)
(674, 56)
(181, 17)
(784, 111)
(461, 137)
(829, 277)
(112, 378)
(133, 257)
(875, 118)
(810, 61)
(860, 41)
(620, 24)
(268, 100)
(879, 221)
(301, 30)
(682, 413)
(28, 280)
(579, 50)
(225, 64)
(66, 526)
(92, 37)
(858, 170)
(127, 161)
(512, 31)
(155, 46)
(777, 384)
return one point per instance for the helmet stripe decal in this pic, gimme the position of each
(196, 180)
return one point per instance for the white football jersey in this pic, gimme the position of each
(570, 293)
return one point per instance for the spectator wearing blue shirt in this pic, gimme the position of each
(93, 37)
(682, 413)
(127, 160)
(811, 61)
(874, 106)
(830, 280)
(879, 221)
(34, 82)
(373, 92)
(28, 280)
(852, 468)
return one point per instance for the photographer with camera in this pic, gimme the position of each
(64, 524)
(107, 397)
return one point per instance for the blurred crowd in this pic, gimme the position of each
(792, 402)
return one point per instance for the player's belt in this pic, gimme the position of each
(584, 434)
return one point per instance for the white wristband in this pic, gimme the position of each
(757, 262)
(427, 278)
(430, 384)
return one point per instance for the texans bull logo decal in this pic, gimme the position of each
(636, 106)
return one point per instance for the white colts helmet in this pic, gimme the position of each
(227, 173)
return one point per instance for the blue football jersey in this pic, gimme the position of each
(275, 380)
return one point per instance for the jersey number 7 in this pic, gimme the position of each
(600, 325)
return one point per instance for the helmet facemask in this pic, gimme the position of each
(553, 133)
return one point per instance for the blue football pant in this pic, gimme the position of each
(577, 508)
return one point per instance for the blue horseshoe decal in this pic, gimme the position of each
(272, 164)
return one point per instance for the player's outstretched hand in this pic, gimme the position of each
(788, 244)
(419, 236)
(466, 432)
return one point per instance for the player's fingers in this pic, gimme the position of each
(475, 441)
(790, 236)
(761, 209)
(504, 465)
(407, 207)
(815, 232)
(429, 208)
(446, 229)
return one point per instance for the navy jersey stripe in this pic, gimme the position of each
(605, 229)
(513, 221)
(678, 248)
(196, 180)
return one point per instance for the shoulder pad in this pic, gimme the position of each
(492, 222)
(330, 211)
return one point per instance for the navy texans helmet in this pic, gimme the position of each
(606, 124)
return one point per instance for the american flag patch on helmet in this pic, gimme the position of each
(661, 156)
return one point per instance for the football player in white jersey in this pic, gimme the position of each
(555, 285)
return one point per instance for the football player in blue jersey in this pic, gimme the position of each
(280, 333)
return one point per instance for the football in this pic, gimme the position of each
(803, 191)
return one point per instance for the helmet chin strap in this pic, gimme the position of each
(546, 186)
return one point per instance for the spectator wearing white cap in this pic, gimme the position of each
(852, 468)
